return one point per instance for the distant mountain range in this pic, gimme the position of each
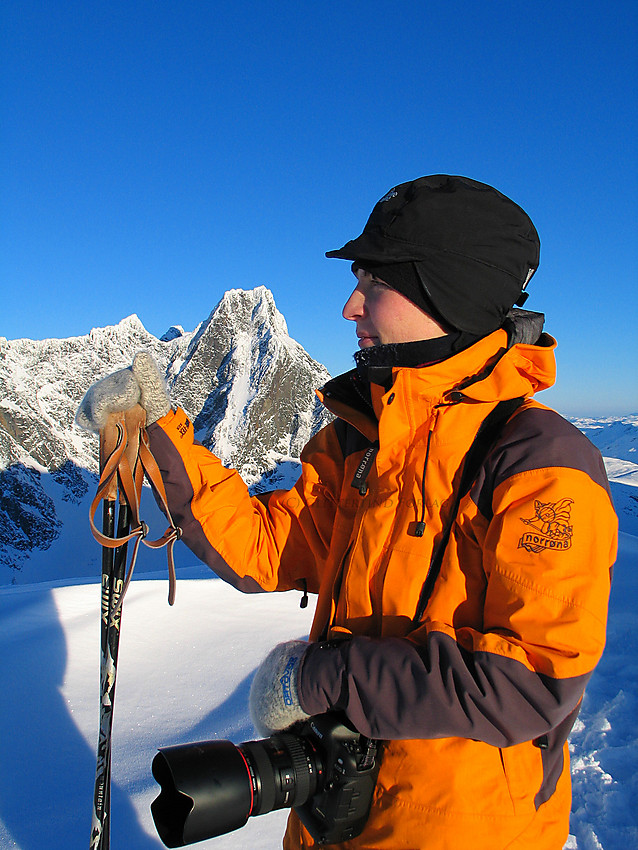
(615, 436)
(617, 440)
(247, 386)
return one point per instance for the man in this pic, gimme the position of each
(456, 621)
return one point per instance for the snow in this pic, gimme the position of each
(615, 436)
(622, 471)
(184, 675)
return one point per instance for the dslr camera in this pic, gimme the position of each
(323, 768)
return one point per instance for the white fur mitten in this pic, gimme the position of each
(142, 383)
(274, 698)
(154, 400)
(118, 391)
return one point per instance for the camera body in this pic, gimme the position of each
(339, 809)
(323, 768)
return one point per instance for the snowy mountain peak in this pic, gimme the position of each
(132, 321)
(248, 387)
(239, 363)
(254, 305)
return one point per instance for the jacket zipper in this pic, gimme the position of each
(336, 591)
(420, 526)
(359, 482)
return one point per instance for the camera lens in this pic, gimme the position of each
(213, 787)
(285, 771)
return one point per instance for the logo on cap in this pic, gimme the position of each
(391, 194)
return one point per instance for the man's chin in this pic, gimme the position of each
(368, 342)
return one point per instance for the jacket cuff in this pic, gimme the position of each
(320, 678)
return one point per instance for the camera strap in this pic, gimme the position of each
(486, 437)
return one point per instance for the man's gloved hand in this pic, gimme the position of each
(142, 383)
(154, 397)
(274, 698)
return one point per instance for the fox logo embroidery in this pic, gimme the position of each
(551, 524)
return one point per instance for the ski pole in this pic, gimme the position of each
(125, 458)
(119, 446)
(113, 639)
(110, 440)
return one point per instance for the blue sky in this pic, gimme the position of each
(155, 154)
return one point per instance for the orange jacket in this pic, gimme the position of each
(476, 702)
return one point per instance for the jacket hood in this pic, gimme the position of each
(520, 370)
(490, 370)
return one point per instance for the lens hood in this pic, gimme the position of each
(206, 791)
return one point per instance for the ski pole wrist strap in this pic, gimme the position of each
(125, 458)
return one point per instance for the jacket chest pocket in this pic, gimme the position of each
(457, 595)
(356, 589)
(383, 568)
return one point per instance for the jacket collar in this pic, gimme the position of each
(412, 354)
(491, 370)
(497, 367)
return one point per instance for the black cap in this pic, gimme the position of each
(473, 248)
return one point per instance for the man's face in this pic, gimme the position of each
(384, 315)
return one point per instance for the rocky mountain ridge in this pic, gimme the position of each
(245, 383)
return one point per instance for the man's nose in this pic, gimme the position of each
(354, 307)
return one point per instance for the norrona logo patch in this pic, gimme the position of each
(552, 527)
(286, 679)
